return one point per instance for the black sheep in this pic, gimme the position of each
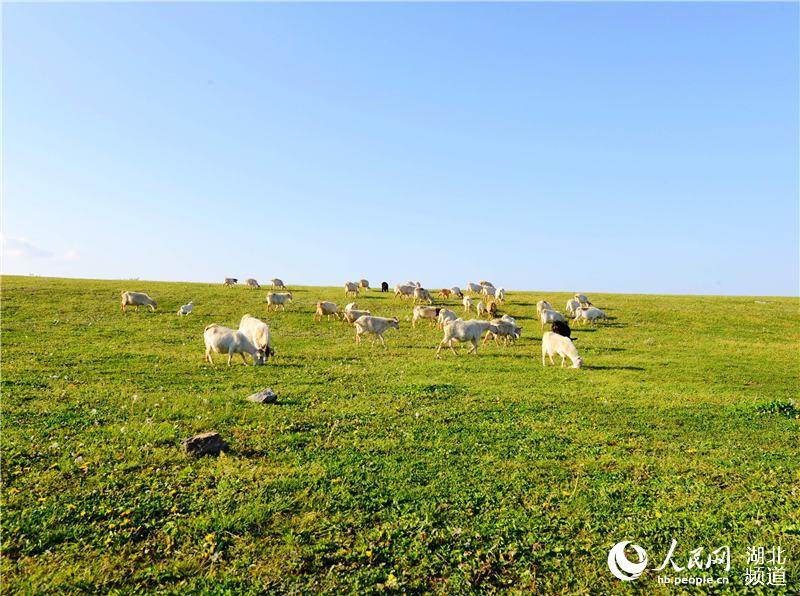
(384, 286)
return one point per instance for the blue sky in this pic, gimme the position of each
(596, 147)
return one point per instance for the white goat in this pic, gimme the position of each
(326, 309)
(500, 294)
(135, 299)
(460, 330)
(550, 316)
(277, 283)
(572, 306)
(363, 284)
(445, 315)
(422, 294)
(508, 330)
(186, 309)
(474, 288)
(424, 312)
(542, 305)
(404, 290)
(457, 291)
(276, 300)
(230, 282)
(223, 340)
(467, 302)
(481, 308)
(553, 343)
(350, 288)
(583, 300)
(258, 333)
(252, 283)
(377, 326)
(590, 314)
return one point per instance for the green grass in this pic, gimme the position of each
(387, 470)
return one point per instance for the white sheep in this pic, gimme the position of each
(353, 314)
(363, 284)
(467, 302)
(553, 343)
(483, 282)
(550, 316)
(277, 283)
(583, 300)
(591, 314)
(461, 331)
(350, 288)
(508, 330)
(445, 315)
(276, 300)
(500, 295)
(186, 309)
(252, 283)
(222, 340)
(572, 306)
(424, 312)
(326, 309)
(474, 288)
(542, 305)
(135, 299)
(481, 308)
(230, 282)
(457, 291)
(488, 291)
(404, 290)
(258, 333)
(377, 326)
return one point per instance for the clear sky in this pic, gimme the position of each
(596, 147)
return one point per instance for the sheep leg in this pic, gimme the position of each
(383, 341)
(230, 357)
(563, 361)
(551, 358)
(208, 357)
(245, 359)
(544, 357)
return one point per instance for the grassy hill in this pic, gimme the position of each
(387, 470)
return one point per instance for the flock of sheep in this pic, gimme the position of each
(253, 335)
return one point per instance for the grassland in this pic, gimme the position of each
(387, 471)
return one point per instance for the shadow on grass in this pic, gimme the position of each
(612, 367)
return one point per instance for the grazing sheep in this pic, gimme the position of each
(583, 300)
(492, 309)
(542, 305)
(572, 306)
(377, 326)
(363, 284)
(562, 328)
(424, 312)
(508, 330)
(223, 340)
(591, 314)
(548, 316)
(421, 293)
(276, 300)
(135, 299)
(257, 332)
(352, 314)
(326, 309)
(467, 302)
(481, 308)
(445, 315)
(252, 283)
(488, 291)
(350, 288)
(483, 282)
(230, 282)
(457, 291)
(404, 290)
(277, 283)
(553, 343)
(384, 286)
(444, 293)
(461, 331)
(500, 294)
(186, 309)
(474, 288)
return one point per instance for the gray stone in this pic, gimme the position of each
(265, 396)
(209, 443)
